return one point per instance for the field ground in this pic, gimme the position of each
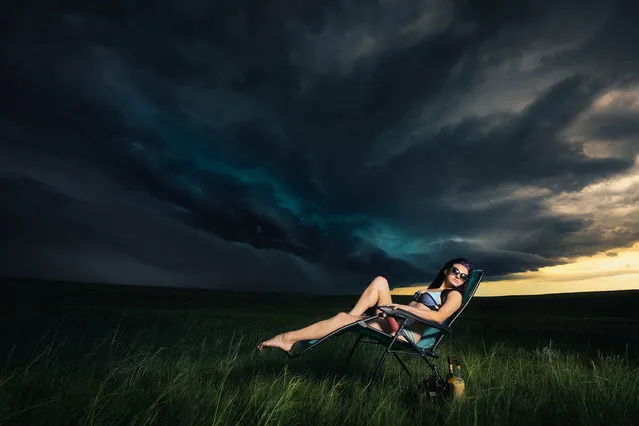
(192, 360)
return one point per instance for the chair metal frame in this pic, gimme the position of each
(392, 345)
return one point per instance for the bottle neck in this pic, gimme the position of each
(458, 370)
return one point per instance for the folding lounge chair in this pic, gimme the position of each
(425, 347)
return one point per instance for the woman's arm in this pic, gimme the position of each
(452, 304)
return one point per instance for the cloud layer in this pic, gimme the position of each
(311, 147)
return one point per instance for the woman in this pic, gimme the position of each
(442, 298)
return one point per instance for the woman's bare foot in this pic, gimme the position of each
(278, 341)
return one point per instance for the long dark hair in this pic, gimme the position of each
(439, 279)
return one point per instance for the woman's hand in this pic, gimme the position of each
(397, 306)
(407, 308)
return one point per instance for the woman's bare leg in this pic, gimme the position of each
(317, 330)
(377, 293)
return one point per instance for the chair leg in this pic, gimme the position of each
(352, 351)
(376, 373)
(432, 366)
(383, 357)
(401, 362)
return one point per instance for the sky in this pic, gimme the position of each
(311, 146)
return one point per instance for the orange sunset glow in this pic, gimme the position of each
(612, 270)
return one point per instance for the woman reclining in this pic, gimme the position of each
(440, 300)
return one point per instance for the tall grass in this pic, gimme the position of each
(140, 367)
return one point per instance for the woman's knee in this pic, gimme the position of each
(344, 318)
(341, 316)
(381, 282)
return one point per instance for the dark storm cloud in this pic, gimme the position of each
(116, 238)
(203, 144)
(615, 126)
(523, 148)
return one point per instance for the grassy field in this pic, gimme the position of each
(143, 365)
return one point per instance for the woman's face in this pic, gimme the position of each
(457, 275)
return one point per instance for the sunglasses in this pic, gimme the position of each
(458, 273)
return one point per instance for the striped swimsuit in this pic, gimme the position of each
(431, 299)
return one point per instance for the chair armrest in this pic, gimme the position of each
(400, 313)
